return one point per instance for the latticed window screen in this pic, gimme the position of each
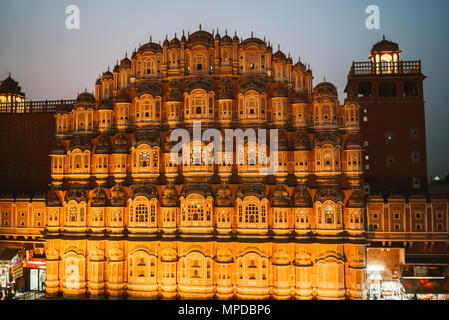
(141, 213)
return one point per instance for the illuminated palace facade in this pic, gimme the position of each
(122, 220)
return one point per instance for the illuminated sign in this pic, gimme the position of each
(34, 263)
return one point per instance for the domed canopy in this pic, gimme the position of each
(253, 41)
(223, 196)
(58, 149)
(301, 198)
(170, 196)
(325, 89)
(175, 43)
(353, 143)
(329, 193)
(256, 190)
(107, 75)
(118, 197)
(385, 45)
(123, 98)
(120, 144)
(279, 55)
(116, 69)
(147, 137)
(84, 99)
(197, 188)
(150, 46)
(225, 90)
(125, 63)
(80, 142)
(145, 190)
(356, 200)
(76, 193)
(299, 98)
(52, 199)
(280, 92)
(103, 146)
(326, 138)
(302, 142)
(9, 85)
(280, 197)
(200, 37)
(252, 84)
(105, 105)
(99, 198)
(226, 39)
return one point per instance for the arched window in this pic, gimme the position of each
(329, 214)
(199, 63)
(141, 213)
(144, 158)
(251, 213)
(149, 67)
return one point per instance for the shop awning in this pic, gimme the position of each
(6, 254)
(426, 285)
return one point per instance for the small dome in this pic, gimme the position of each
(123, 98)
(300, 98)
(326, 138)
(105, 105)
(76, 193)
(253, 41)
(99, 198)
(166, 43)
(116, 69)
(175, 43)
(103, 146)
(52, 199)
(170, 196)
(385, 45)
(120, 144)
(150, 46)
(125, 63)
(98, 82)
(251, 189)
(301, 198)
(147, 137)
(201, 37)
(302, 142)
(280, 92)
(226, 39)
(280, 55)
(58, 149)
(356, 200)
(325, 89)
(9, 85)
(217, 37)
(223, 196)
(107, 75)
(353, 143)
(280, 197)
(235, 38)
(84, 98)
(118, 197)
(80, 142)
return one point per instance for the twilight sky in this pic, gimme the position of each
(51, 62)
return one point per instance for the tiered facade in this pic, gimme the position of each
(123, 220)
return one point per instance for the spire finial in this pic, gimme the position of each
(182, 31)
(126, 54)
(175, 34)
(324, 78)
(299, 59)
(200, 26)
(279, 47)
(235, 33)
(383, 38)
(217, 30)
(226, 32)
(151, 38)
(252, 34)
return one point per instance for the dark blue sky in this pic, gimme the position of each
(51, 62)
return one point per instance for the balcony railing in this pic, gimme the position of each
(46, 106)
(386, 68)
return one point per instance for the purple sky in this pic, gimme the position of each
(51, 62)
